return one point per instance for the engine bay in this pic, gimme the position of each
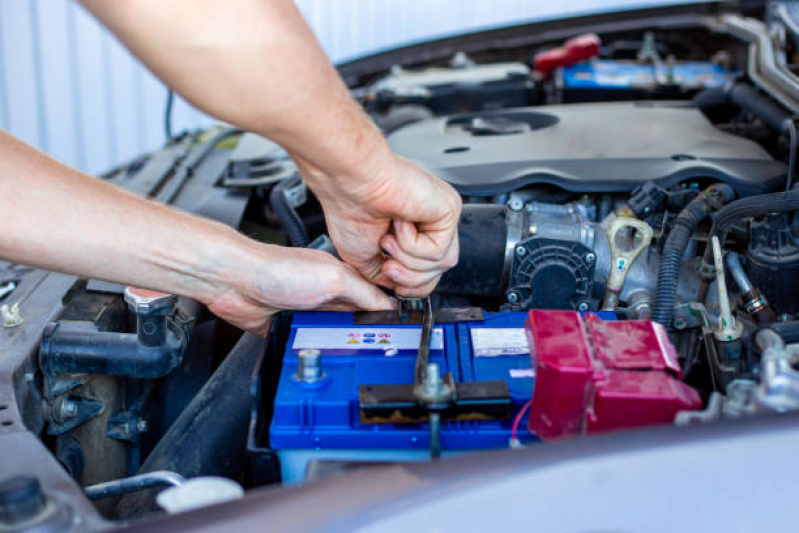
(629, 258)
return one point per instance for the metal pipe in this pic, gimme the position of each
(117, 487)
(737, 271)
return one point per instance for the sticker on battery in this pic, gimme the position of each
(364, 339)
(497, 342)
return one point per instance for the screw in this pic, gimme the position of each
(590, 257)
(521, 251)
(583, 306)
(513, 297)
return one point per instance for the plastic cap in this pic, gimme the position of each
(199, 492)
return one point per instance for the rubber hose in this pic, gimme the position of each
(752, 206)
(671, 258)
(209, 438)
(747, 98)
(296, 233)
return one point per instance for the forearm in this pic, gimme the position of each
(60, 219)
(255, 64)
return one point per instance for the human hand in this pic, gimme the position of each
(268, 279)
(402, 210)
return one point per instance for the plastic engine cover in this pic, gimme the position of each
(593, 375)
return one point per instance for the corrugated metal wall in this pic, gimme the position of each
(69, 88)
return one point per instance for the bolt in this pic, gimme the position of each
(432, 380)
(533, 229)
(516, 204)
(141, 425)
(785, 317)
(513, 297)
(309, 366)
(680, 322)
(521, 251)
(590, 257)
(583, 306)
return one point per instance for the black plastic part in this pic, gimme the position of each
(482, 231)
(292, 224)
(76, 347)
(773, 262)
(209, 437)
(552, 274)
(645, 199)
(21, 500)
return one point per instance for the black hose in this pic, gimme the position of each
(292, 224)
(671, 259)
(209, 438)
(752, 206)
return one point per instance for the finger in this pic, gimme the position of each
(351, 288)
(391, 247)
(403, 276)
(418, 291)
(423, 245)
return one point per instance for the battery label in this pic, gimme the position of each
(364, 339)
(522, 373)
(497, 342)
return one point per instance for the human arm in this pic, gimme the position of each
(256, 64)
(60, 219)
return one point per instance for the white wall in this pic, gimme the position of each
(69, 88)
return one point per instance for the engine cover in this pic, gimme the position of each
(604, 147)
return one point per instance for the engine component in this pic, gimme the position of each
(77, 347)
(209, 437)
(548, 256)
(320, 421)
(778, 389)
(608, 147)
(464, 86)
(754, 301)
(773, 261)
(623, 255)
(684, 225)
(594, 376)
(487, 234)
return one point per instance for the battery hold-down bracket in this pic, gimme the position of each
(430, 398)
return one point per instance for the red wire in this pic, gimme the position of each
(518, 419)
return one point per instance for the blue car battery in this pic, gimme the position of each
(607, 79)
(321, 420)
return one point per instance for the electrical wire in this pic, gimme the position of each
(170, 102)
(518, 420)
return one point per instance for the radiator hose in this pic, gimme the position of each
(684, 226)
(296, 233)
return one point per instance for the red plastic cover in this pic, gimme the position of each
(573, 51)
(593, 375)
